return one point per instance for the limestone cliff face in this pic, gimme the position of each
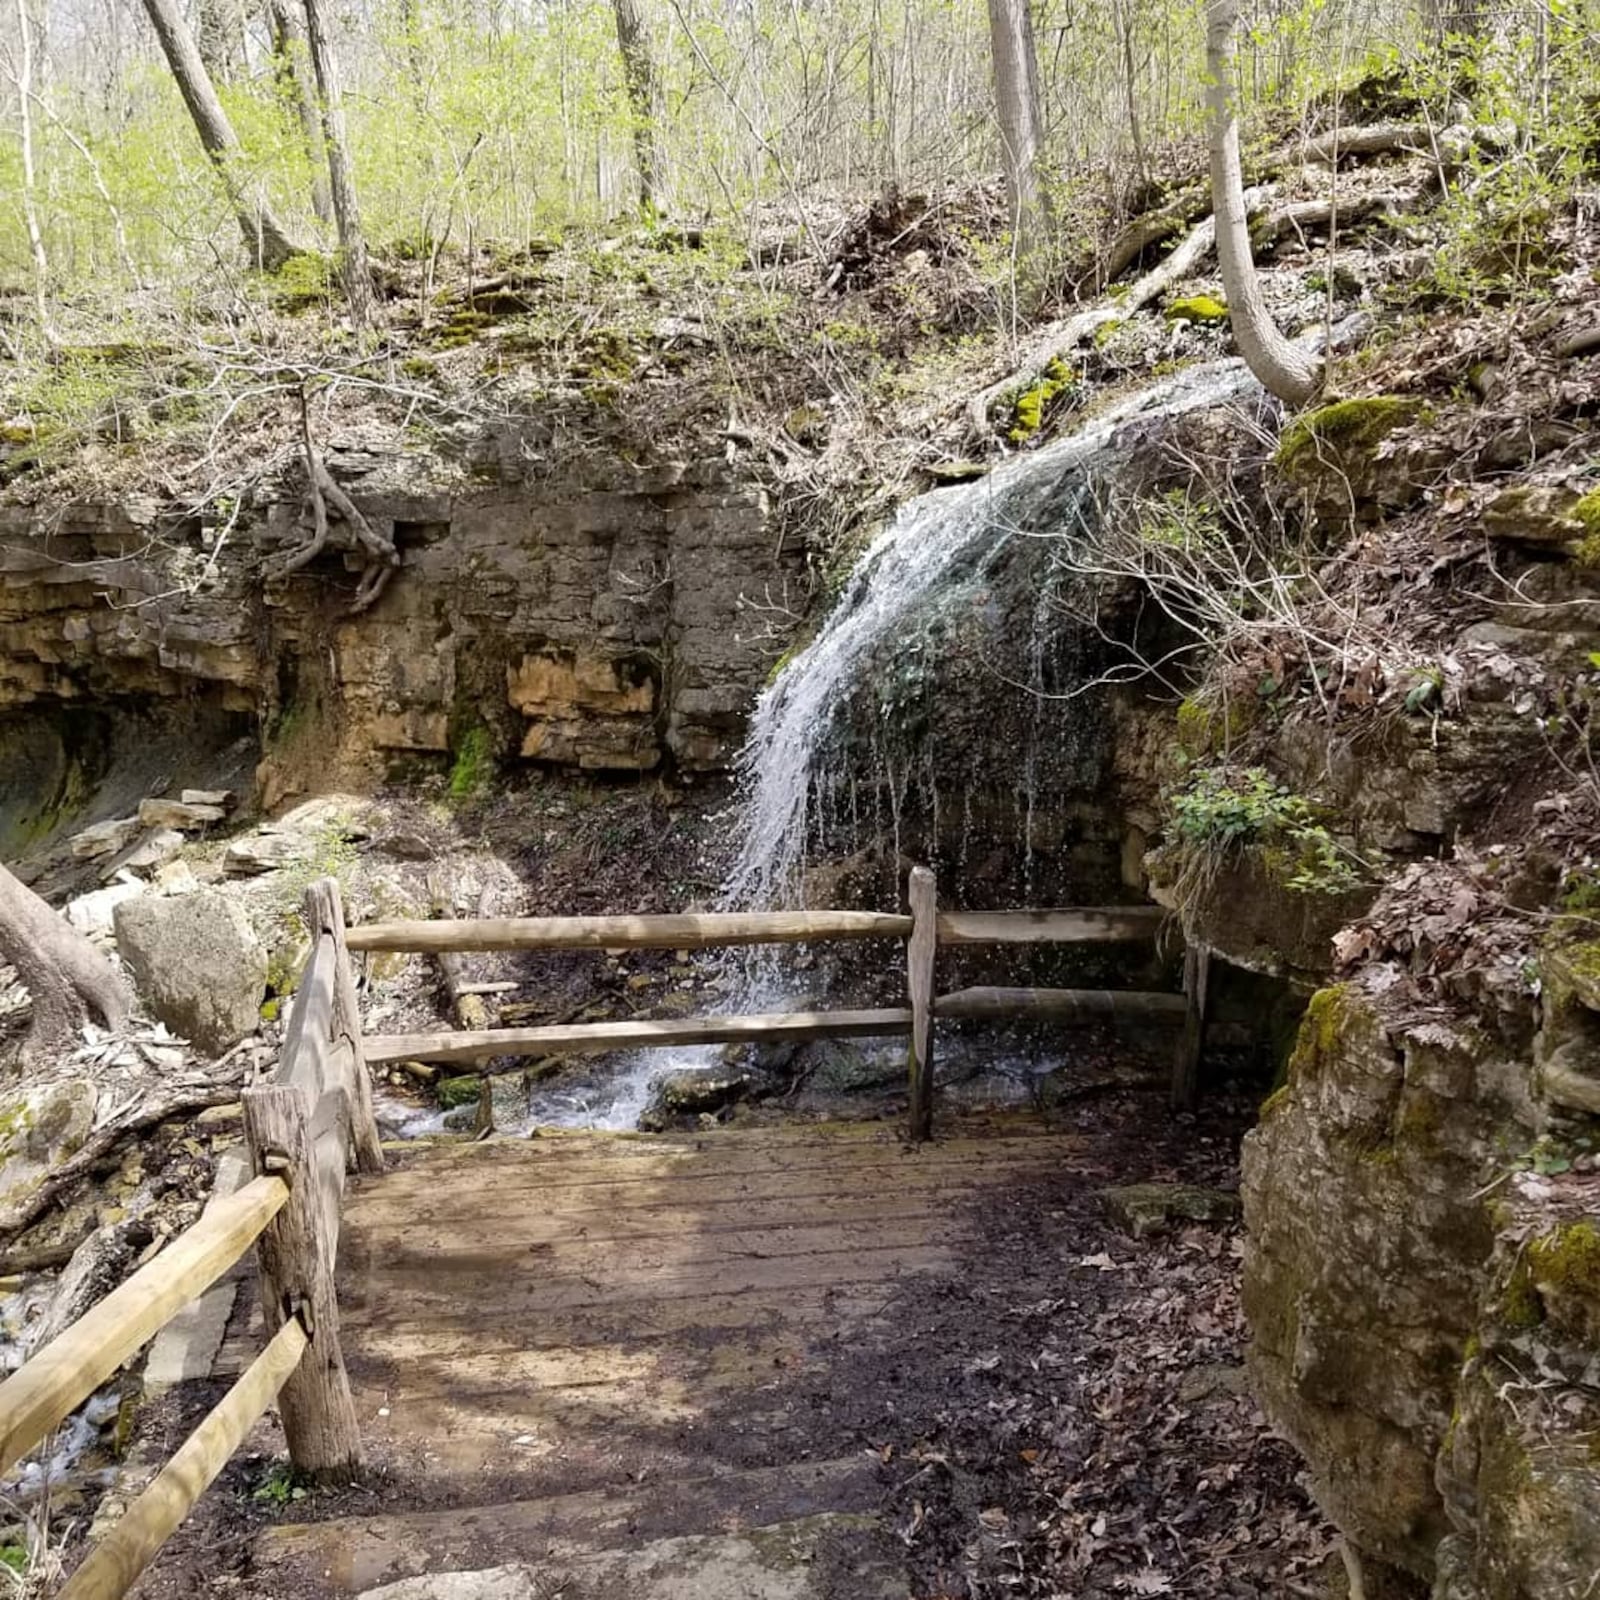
(1425, 1306)
(614, 625)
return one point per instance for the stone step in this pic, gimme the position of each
(808, 1558)
(607, 1528)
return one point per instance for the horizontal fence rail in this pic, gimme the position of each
(598, 1037)
(114, 1565)
(55, 1381)
(1097, 925)
(688, 931)
(924, 931)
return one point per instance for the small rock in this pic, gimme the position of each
(145, 854)
(175, 877)
(155, 813)
(1533, 513)
(104, 838)
(1142, 1209)
(258, 853)
(91, 913)
(686, 1093)
(208, 797)
(404, 847)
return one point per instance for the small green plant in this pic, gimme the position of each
(473, 765)
(1218, 814)
(280, 1486)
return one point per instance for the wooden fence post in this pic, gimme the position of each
(920, 951)
(295, 1255)
(1186, 1065)
(324, 913)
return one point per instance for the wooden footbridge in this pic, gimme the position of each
(535, 1333)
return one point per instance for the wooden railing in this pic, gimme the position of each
(924, 929)
(303, 1130)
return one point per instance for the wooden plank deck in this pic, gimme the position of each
(552, 1336)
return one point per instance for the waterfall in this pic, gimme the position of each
(930, 543)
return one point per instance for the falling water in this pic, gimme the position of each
(932, 540)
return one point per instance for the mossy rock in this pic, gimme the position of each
(1340, 457)
(1202, 308)
(1563, 1268)
(1142, 1209)
(1347, 426)
(1587, 515)
(462, 1091)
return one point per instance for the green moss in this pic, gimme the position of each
(1519, 1302)
(473, 765)
(1205, 729)
(1587, 511)
(1275, 1101)
(462, 1091)
(1320, 1027)
(1347, 425)
(1107, 331)
(303, 281)
(1203, 308)
(1031, 406)
(1564, 1267)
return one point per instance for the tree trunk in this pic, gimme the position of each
(1016, 92)
(65, 976)
(264, 235)
(219, 37)
(639, 73)
(352, 241)
(30, 206)
(1282, 368)
(294, 77)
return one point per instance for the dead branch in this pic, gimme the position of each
(176, 1101)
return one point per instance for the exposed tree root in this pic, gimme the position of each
(322, 492)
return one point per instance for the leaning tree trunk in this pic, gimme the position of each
(294, 76)
(639, 73)
(1281, 367)
(65, 976)
(1016, 93)
(264, 235)
(352, 241)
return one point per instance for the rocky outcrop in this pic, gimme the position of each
(197, 964)
(611, 623)
(1425, 1304)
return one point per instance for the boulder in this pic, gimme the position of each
(1142, 1209)
(41, 1127)
(144, 854)
(681, 1094)
(197, 963)
(104, 838)
(155, 813)
(258, 853)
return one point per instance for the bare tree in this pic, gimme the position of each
(639, 73)
(293, 67)
(30, 182)
(1281, 367)
(1016, 93)
(354, 268)
(65, 976)
(264, 236)
(219, 36)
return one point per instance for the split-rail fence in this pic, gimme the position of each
(314, 1122)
